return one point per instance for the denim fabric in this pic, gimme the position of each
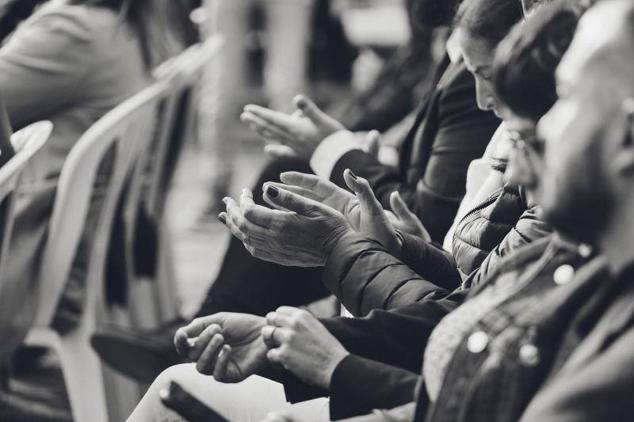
(523, 336)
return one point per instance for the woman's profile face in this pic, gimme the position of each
(478, 58)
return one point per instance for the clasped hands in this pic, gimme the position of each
(232, 346)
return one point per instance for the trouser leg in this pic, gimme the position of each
(249, 400)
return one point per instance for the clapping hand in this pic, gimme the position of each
(298, 232)
(301, 131)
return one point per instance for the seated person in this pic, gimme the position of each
(567, 355)
(450, 131)
(317, 357)
(70, 62)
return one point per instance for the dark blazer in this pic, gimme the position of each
(449, 132)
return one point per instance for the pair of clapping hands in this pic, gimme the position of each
(300, 133)
(309, 215)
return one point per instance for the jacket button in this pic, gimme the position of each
(477, 342)
(585, 250)
(529, 355)
(563, 274)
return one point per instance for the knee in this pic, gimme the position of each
(176, 373)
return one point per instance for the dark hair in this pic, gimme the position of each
(434, 13)
(525, 62)
(139, 15)
(489, 20)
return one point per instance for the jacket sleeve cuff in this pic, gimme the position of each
(360, 385)
(330, 150)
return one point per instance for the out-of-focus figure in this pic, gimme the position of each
(288, 24)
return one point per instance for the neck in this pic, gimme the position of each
(616, 241)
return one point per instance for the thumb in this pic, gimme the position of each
(310, 109)
(373, 143)
(410, 219)
(283, 199)
(364, 192)
(400, 208)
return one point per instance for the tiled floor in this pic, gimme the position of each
(37, 394)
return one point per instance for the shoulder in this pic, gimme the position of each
(80, 22)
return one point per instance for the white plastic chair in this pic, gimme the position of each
(175, 125)
(122, 135)
(16, 301)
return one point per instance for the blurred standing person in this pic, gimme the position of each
(285, 73)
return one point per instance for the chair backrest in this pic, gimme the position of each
(15, 314)
(113, 145)
(183, 73)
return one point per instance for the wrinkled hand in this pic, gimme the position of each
(299, 232)
(323, 191)
(404, 220)
(374, 221)
(301, 131)
(302, 345)
(228, 346)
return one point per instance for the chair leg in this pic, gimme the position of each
(84, 380)
(165, 286)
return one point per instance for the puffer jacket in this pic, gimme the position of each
(501, 223)
(365, 277)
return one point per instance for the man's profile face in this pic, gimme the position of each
(577, 197)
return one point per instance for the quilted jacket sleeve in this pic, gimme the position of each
(364, 276)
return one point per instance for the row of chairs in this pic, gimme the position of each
(140, 139)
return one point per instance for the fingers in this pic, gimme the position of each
(263, 127)
(246, 200)
(202, 341)
(407, 217)
(286, 200)
(309, 109)
(275, 336)
(295, 178)
(297, 190)
(400, 208)
(279, 150)
(276, 356)
(373, 143)
(220, 369)
(206, 363)
(364, 192)
(282, 123)
(181, 342)
(279, 319)
(247, 221)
